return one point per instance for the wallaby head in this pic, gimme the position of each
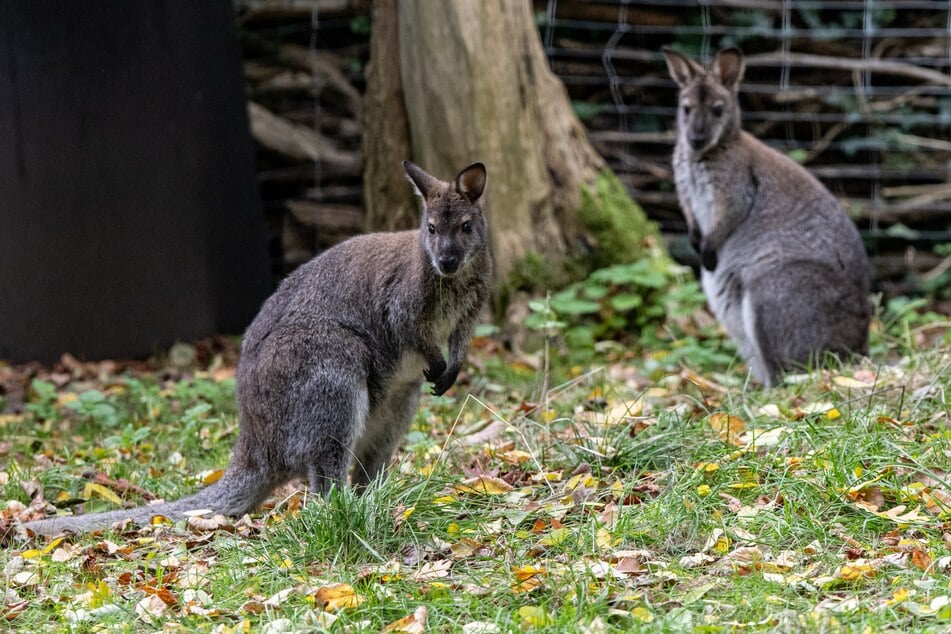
(453, 226)
(708, 110)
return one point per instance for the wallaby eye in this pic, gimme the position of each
(686, 109)
(717, 110)
(432, 229)
(467, 227)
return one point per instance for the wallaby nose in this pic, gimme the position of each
(697, 142)
(448, 263)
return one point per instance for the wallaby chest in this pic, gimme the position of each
(697, 187)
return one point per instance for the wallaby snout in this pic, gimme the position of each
(448, 264)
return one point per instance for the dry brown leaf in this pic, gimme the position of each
(433, 570)
(629, 566)
(151, 608)
(483, 485)
(728, 427)
(921, 559)
(414, 623)
(199, 525)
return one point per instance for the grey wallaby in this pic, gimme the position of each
(331, 368)
(783, 266)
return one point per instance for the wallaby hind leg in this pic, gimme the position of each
(386, 425)
(794, 317)
(326, 420)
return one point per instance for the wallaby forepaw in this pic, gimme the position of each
(436, 369)
(445, 381)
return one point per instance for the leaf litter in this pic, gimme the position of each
(564, 491)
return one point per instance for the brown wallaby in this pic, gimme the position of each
(783, 266)
(331, 368)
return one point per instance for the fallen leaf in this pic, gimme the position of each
(92, 489)
(483, 485)
(151, 608)
(527, 578)
(433, 570)
(414, 623)
(727, 426)
(480, 627)
(921, 559)
(337, 596)
(534, 616)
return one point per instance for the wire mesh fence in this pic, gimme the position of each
(858, 91)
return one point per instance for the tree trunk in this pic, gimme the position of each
(386, 194)
(476, 87)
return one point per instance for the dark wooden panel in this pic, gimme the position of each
(128, 212)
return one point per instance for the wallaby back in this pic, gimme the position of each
(331, 368)
(783, 267)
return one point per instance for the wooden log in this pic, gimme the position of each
(297, 142)
(326, 68)
(333, 217)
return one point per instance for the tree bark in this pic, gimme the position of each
(387, 196)
(476, 86)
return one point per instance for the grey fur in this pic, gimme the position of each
(784, 269)
(331, 368)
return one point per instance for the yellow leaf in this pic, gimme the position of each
(727, 426)
(549, 415)
(833, 413)
(445, 499)
(30, 554)
(708, 467)
(527, 578)
(703, 490)
(337, 596)
(556, 537)
(414, 623)
(483, 485)
(898, 596)
(211, 477)
(99, 490)
(722, 545)
(742, 485)
(66, 397)
(534, 616)
(426, 470)
(603, 539)
(858, 568)
(642, 614)
(849, 382)
(516, 456)
(6, 419)
(50, 547)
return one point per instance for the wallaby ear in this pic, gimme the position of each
(728, 66)
(471, 182)
(681, 68)
(422, 182)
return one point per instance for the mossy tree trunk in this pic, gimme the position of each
(457, 81)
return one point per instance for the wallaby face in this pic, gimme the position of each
(708, 109)
(782, 266)
(453, 226)
(332, 367)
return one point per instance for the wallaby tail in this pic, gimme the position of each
(236, 493)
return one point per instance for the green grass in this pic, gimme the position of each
(575, 492)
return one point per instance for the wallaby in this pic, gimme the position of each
(331, 368)
(783, 266)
